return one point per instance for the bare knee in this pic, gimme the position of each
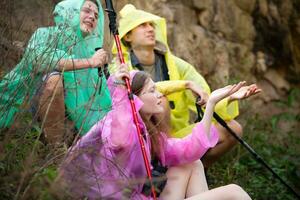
(236, 192)
(52, 96)
(197, 165)
(53, 84)
(237, 127)
(193, 165)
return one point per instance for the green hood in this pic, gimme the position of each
(67, 19)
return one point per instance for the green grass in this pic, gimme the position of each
(279, 148)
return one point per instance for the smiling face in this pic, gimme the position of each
(151, 98)
(88, 17)
(142, 35)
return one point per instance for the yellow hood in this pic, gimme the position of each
(130, 17)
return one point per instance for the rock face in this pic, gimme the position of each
(225, 40)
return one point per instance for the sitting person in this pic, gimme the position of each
(107, 162)
(59, 70)
(144, 43)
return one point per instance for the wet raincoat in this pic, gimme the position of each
(87, 98)
(178, 69)
(107, 162)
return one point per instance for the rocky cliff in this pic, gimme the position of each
(253, 40)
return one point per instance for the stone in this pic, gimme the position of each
(268, 93)
(203, 4)
(277, 80)
(246, 5)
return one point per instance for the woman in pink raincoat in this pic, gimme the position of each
(107, 162)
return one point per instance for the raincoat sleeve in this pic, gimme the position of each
(120, 124)
(169, 87)
(44, 49)
(188, 72)
(178, 151)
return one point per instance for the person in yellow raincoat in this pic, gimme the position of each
(144, 44)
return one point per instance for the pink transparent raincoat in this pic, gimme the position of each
(107, 162)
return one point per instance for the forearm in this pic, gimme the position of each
(169, 87)
(73, 64)
(207, 117)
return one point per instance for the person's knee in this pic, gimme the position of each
(198, 165)
(237, 129)
(52, 95)
(188, 167)
(236, 192)
(54, 84)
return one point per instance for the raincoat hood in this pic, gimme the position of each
(67, 18)
(130, 17)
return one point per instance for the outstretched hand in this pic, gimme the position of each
(224, 92)
(245, 92)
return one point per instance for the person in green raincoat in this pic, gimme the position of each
(60, 67)
(144, 43)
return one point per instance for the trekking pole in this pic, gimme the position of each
(113, 29)
(257, 157)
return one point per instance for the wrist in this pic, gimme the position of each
(119, 82)
(230, 99)
(91, 63)
(188, 84)
(210, 103)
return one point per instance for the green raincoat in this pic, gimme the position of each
(87, 98)
(178, 69)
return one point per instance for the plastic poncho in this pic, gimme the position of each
(87, 98)
(178, 69)
(107, 163)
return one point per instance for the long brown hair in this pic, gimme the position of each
(153, 124)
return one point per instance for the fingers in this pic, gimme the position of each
(252, 90)
(203, 99)
(100, 57)
(199, 92)
(201, 102)
(234, 88)
(123, 71)
(118, 61)
(245, 92)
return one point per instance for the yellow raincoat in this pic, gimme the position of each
(178, 69)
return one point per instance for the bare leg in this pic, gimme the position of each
(52, 109)
(226, 143)
(188, 181)
(185, 180)
(227, 192)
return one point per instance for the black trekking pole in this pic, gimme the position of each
(257, 157)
